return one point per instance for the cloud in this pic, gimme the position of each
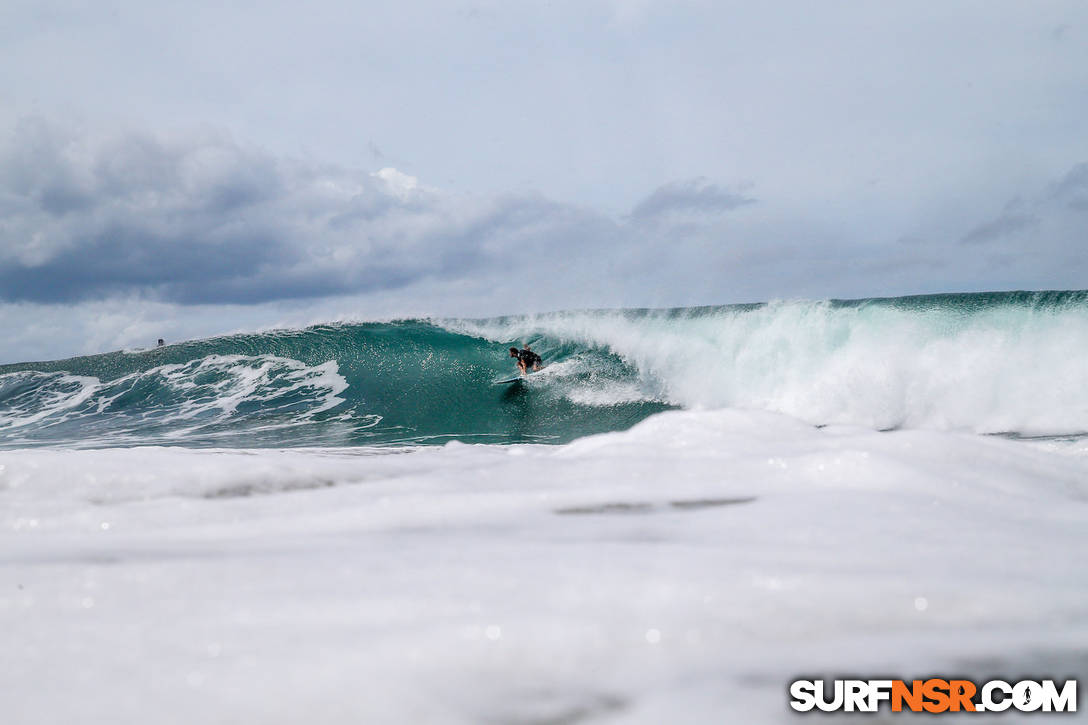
(1050, 206)
(200, 219)
(1003, 226)
(691, 197)
(1073, 188)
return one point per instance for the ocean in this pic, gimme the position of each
(682, 512)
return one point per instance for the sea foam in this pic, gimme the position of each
(692, 565)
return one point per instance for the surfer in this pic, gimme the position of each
(526, 359)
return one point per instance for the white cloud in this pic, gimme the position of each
(399, 184)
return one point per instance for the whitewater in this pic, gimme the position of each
(683, 512)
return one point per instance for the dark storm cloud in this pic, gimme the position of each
(203, 220)
(694, 196)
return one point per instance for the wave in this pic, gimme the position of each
(990, 363)
(172, 401)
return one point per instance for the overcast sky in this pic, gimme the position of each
(179, 170)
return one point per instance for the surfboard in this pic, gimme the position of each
(516, 379)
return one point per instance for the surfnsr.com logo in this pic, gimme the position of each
(933, 695)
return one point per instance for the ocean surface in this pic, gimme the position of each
(1008, 363)
(682, 512)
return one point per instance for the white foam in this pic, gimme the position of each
(689, 567)
(578, 380)
(207, 391)
(53, 396)
(1003, 369)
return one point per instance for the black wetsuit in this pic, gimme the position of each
(529, 358)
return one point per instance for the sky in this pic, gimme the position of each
(183, 170)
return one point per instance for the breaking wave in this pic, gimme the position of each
(1009, 363)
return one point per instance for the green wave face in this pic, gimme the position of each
(410, 382)
(992, 363)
